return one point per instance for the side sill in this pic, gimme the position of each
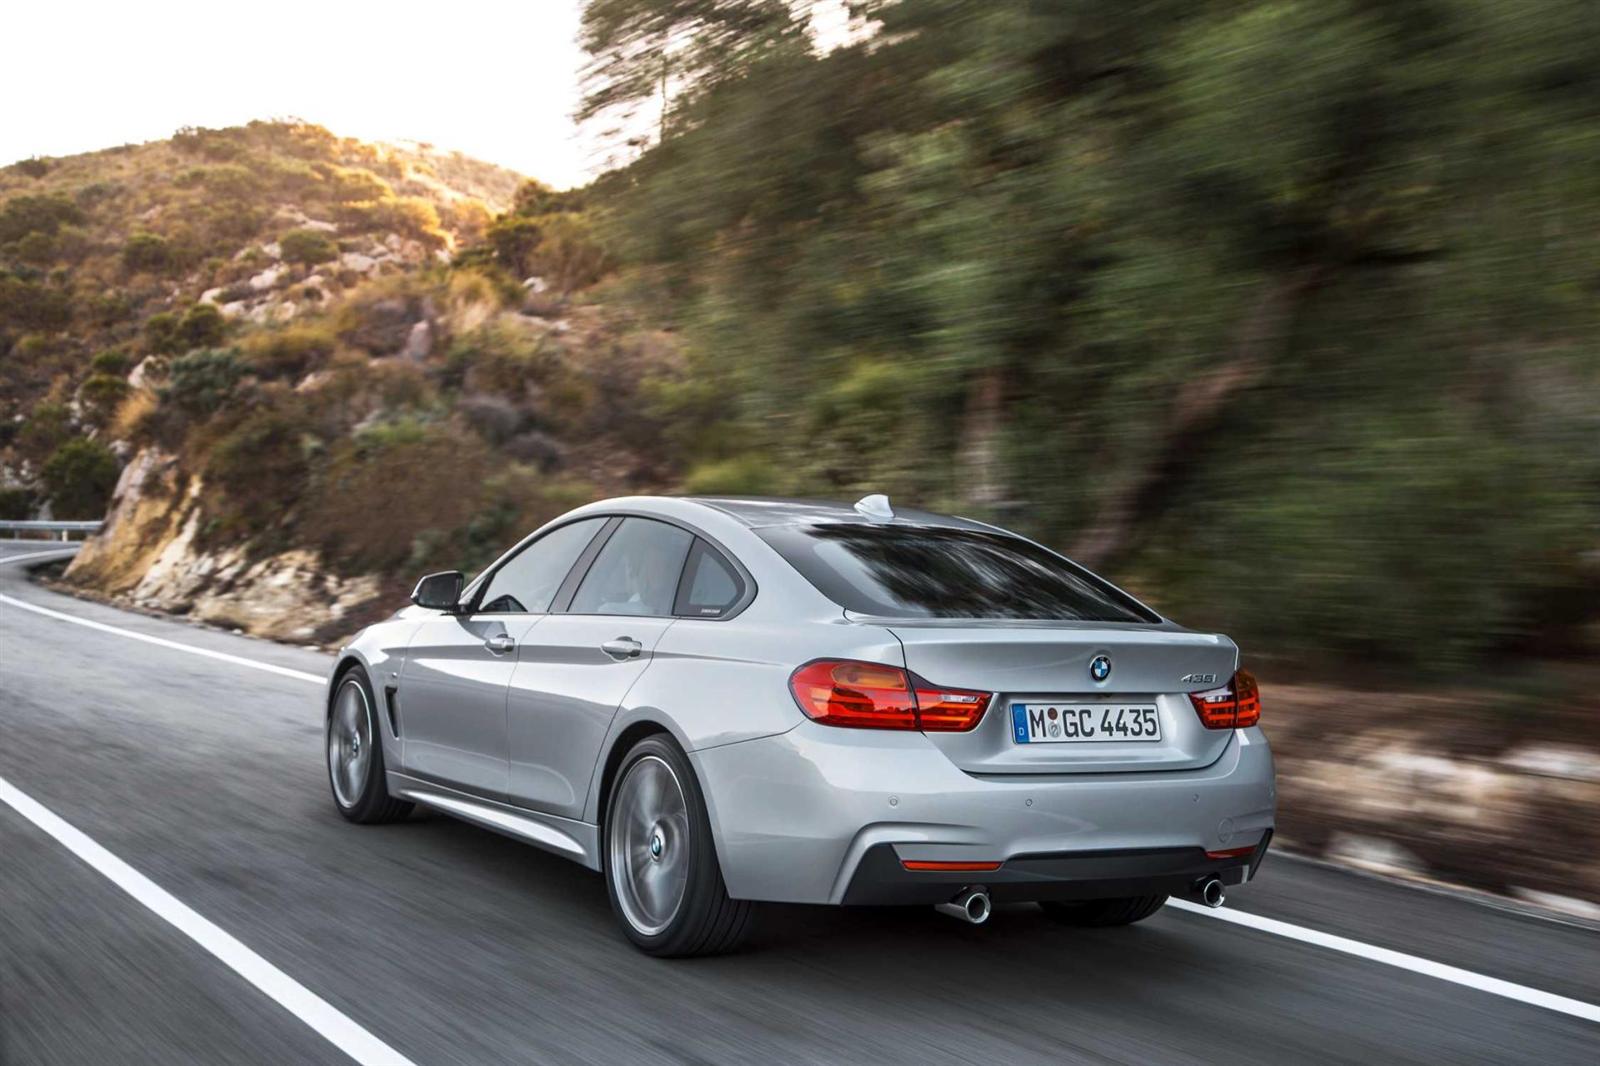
(563, 836)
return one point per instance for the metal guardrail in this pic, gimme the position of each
(62, 530)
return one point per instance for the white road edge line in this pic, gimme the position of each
(330, 1022)
(220, 656)
(1577, 1008)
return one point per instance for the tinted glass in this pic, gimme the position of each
(528, 581)
(636, 572)
(710, 585)
(929, 572)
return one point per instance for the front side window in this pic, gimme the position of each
(906, 571)
(528, 581)
(637, 572)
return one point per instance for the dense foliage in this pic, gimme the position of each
(1283, 311)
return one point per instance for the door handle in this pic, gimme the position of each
(500, 643)
(622, 648)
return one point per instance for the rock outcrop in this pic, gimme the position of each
(149, 555)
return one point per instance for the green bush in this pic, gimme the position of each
(23, 215)
(79, 479)
(17, 504)
(147, 252)
(48, 427)
(261, 466)
(201, 381)
(562, 248)
(345, 184)
(307, 246)
(230, 180)
(37, 247)
(101, 395)
(36, 167)
(110, 361)
(223, 144)
(31, 305)
(202, 326)
(161, 333)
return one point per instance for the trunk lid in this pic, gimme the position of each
(1048, 663)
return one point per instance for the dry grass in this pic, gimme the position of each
(133, 415)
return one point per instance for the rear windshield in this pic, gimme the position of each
(933, 572)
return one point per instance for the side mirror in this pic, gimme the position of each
(440, 592)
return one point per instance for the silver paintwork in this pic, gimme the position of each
(576, 841)
(510, 720)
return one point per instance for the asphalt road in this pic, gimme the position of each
(453, 945)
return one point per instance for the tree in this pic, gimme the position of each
(79, 479)
(642, 49)
(1158, 282)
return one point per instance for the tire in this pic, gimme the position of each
(1098, 913)
(353, 743)
(660, 862)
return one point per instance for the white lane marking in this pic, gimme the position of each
(330, 1022)
(1416, 964)
(1577, 1008)
(220, 656)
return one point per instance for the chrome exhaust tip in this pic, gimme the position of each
(971, 905)
(1210, 892)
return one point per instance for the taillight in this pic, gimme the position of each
(1236, 705)
(872, 696)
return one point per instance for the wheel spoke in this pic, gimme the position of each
(350, 739)
(647, 844)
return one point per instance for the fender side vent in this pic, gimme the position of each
(391, 704)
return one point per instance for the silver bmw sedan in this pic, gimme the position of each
(720, 701)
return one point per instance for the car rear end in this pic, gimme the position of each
(1040, 734)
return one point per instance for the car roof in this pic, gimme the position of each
(758, 511)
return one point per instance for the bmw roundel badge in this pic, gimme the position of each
(1100, 667)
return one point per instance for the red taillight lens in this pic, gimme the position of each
(872, 696)
(858, 695)
(1236, 705)
(948, 710)
(1249, 696)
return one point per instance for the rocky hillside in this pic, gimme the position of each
(294, 369)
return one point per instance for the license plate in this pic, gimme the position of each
(1104, 723)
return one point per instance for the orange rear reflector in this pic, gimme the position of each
(962, 867)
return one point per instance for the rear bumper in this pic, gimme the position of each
(881, 878)
(824, 815)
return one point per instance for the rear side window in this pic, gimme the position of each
(710, 584)
(637, 572)
(528, 581)
(933, 572)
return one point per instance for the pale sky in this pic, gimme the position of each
(496, 80)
